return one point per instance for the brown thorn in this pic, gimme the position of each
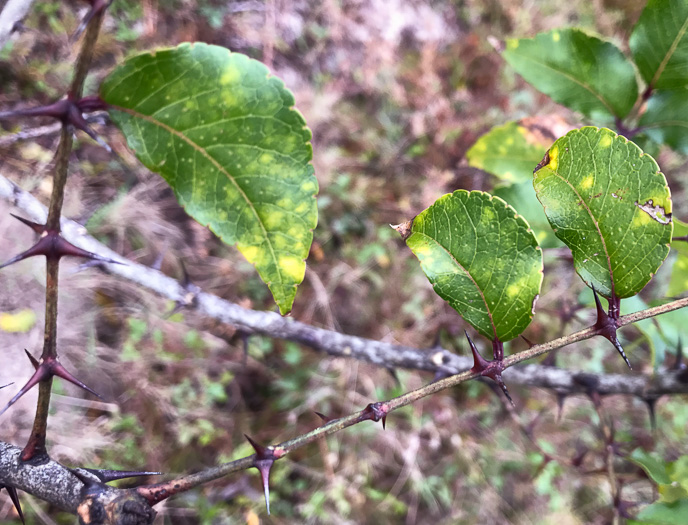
(46, 369)
(14, 497)
(34, 361)
(53, 246)
(375, 412)
(264, 459)
(651, 404)
(679, 364)
(38, 228)
(528, 341)
(492, 369)
(561, 397)
(106, 476)
(324, 418)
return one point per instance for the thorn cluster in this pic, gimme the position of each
(263, 460)
(45, 369)
(53, 246)
(375, 412)
(607, 323)
(68, 111)
(492, 369)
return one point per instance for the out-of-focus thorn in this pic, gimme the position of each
(3, 386)
(561, 397)
(245, 338)
(97, 6)
(679, 364)
(395, 376)
(492, 369)
(14, 497)
(263, 460)
(651, 404)
(581, 452)
(46, 369)
(190, 292)
(68, 111)
(607, 325)
(375, 412)
(324, 418)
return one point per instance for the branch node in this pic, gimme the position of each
(607, 323)
(492, 369)
(263, 460)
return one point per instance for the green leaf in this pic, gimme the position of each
(510, 152)
(659, 44)
(521, 196)
(225, 136)
(679, 272)
(482, 258)
(666, 119)
(664, 513)
(652, 466)
(577, 70)
(611, 206)
(20, 321)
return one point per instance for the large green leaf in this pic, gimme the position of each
(225, 136)
(660, 45)
(510, 152)
(482, 258)
(578, 70)
(611, 205)
(666, 118)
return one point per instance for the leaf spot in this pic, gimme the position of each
(656, 212)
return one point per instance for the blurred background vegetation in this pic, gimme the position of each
(396, 92)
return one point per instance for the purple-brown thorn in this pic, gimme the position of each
(651, 404)
(528, 341)
(53, 246)
(14, 496)
(106, 476)
(561, 397)
(324, 418)
(68, 111)
(97, 6)
(441, 373)
(264, 459)
(245, 337)
(45, 369)
(3, 386)
(91, 486)
(492, 369)
(577, 459)
(607, 323)
(679, 364)
(375, 412)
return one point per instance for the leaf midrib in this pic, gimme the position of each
(597, 227)
(572, 79)
(670, 52)
(217, 165)
(482, 296)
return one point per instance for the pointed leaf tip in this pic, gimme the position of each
(197, 115)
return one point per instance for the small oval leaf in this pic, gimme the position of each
(482, 258)
(666, 118)
(577, 70)
(225, 136)
(610, 204)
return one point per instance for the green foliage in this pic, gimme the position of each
(580, 71)
(609, 203)
(509, 151)
(659, 44)
(671, 479)
(679, 273)
(482, 258)
(666, 118)
(225, 136)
